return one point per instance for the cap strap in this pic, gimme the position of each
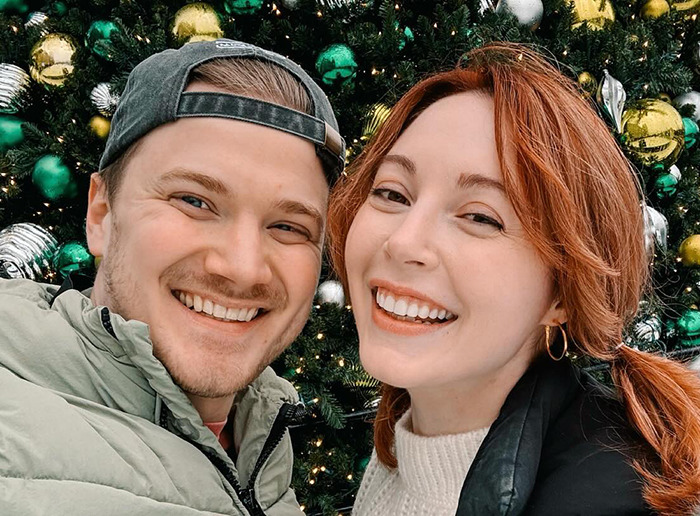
(247, 109)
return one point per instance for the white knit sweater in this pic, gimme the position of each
(428, 479)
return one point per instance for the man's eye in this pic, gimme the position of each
(389, 195)
(195, 201)
(290, 234)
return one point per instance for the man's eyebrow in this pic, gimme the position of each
(466, 181)
(210, 183)
(301, 208)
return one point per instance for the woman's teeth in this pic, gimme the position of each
(409, 309)
(208, 307)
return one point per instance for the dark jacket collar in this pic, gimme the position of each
(504, 471)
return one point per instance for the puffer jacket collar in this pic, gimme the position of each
(504, 471)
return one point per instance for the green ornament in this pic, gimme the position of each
(59, 8)
(15, 6)
(688, 328)
(53, 179)
(336, 64)
(406, 37)
(242, 6)
(72, 257)
(11, 133)
(289, 373)
(361, 464)
(99, 38)
(665, 186)
(691, 132)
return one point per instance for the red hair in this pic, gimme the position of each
(578, 200)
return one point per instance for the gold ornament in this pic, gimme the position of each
(688, 6)
(197, 22)
(652, 9)
(690, 251)
(52, 59)
(665, 97)
(596, 13)
(100, 126)
(588, 83)
(375, 117)
(652, 132)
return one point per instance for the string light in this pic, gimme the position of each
(349, 477)
(341, 362)
(319, 14)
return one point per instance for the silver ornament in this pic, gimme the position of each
(655, 229)
(337, 3)
(647, 331)
(612, 95)
(14, 84)
(486, 5)
(331, 292)
(104, 99)
(675, 172)
(26, 251)
(37, 20)
(289, 4)
(690, 98)
(528, 12)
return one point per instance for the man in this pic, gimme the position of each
(208, 216)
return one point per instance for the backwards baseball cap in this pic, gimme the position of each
(154, 95)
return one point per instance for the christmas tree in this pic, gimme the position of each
(64, 63)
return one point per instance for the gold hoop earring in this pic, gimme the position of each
(548, 342)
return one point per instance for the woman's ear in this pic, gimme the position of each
(97, 223)
(555, 315)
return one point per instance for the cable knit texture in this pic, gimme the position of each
(428, 479)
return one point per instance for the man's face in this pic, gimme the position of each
(214, 240)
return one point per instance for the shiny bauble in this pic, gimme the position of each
(331, 292)
(596, 14)
(691, 132)
(242, 6)
(99, 125)
(72, 257)
(655, 229)
(588, 83)
(686, 6)
(14, 87)
(611, 95)
(528, 12)
(13, 6)
(688, 328)
(196, 22)
(646, 331)
(691, 98)
(689, 251)
(665, 186)
(54, 179)
(652, 132)
(675, 172)
(336, 64)
(375, 117)
(26, 251)
(37, 21)
(99, 38)
(652, 9)
(53, 59)
(11, 132)
(104, 99)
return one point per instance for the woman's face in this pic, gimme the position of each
(445, 287)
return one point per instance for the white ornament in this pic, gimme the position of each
(655, 229)
(675, 172)
(612, 95)
(692, 98)
(331, 292)
(528, 12)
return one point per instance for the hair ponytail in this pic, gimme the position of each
(662, 399)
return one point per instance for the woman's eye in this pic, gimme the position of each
(389, 195)
(483, 219)
(195, 201)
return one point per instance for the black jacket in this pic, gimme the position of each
(560, 446)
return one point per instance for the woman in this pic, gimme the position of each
(491, 228)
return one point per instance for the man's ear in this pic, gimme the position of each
(97, 224)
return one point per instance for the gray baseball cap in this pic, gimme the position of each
(154, 95)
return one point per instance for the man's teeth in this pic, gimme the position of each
(208, 307)
(411, 308)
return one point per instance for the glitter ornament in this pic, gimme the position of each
(26, 250)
